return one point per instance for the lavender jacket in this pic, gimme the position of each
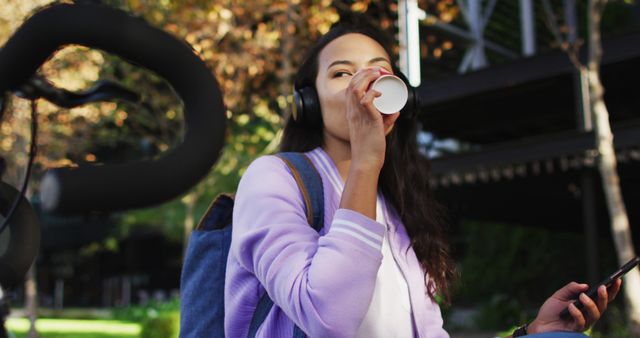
(323, 282)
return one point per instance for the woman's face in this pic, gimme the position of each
(337, 63)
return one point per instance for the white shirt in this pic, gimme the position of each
(389, 313)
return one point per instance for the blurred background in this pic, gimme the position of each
(502, 120)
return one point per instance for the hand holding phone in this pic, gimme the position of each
(593, 291)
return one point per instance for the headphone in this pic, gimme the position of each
(306, 105)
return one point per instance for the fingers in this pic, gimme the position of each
(369, 96)
(578, 318)
(360, 82)
(614, 289)
(359, 94)
(569, 291)
(367, 102)
(591, 309)
(603, 298)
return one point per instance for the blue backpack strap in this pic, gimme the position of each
(298, 333)
(260, 314)
(310, 184)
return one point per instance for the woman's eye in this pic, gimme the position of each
(341, 74)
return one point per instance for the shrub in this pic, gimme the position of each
(140, 313)
(165, 325)
(498, 311)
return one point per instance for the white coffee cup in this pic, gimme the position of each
(394, 93)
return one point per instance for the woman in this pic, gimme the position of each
(375, 268)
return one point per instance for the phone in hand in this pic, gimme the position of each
(593, 291)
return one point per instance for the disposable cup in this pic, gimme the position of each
(394, 94)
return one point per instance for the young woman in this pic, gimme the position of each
(375, 268)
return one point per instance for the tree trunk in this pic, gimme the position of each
(4, 313)
(31, 296)
(620, 229)
(287, 27)
(189, 202)
(607, 166)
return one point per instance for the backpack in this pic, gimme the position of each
(204, 267)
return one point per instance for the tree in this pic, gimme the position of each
(243, 48)
(252, 52)
(606, 159)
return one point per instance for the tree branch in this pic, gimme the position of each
(566, 46)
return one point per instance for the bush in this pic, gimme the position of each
(508, 271)
(165, 325)
(140, 313)
(612, 324)
(498, 311)
(525, 264)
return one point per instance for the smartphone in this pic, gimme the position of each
(593, 291)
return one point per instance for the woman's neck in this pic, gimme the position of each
(340, 153)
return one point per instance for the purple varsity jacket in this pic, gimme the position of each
(323, 282)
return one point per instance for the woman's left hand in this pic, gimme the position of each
(548, 318)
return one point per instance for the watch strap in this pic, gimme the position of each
(521, 331)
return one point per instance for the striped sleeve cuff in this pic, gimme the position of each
(359, 227)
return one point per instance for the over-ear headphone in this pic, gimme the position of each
(306, 107)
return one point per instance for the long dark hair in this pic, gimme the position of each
(404, 179)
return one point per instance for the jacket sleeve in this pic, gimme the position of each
(323, 283)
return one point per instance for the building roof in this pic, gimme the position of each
(527, 97)
(528, 158)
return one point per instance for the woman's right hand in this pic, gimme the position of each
(367, 126)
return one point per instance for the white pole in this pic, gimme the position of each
(59, 294)
(571, 19)
(478, 59)
(527, 28)
(409, 16)
(402, 36)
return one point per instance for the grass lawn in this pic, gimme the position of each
(76, 328)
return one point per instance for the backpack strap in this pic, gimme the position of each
(310, 184)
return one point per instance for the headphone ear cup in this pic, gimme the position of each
(20, 241)
(412, 107)
(307, 107)
(298, 107)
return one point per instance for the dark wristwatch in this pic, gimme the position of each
(521, 331)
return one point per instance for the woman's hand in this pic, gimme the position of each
(548, 318)
(367, 126)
